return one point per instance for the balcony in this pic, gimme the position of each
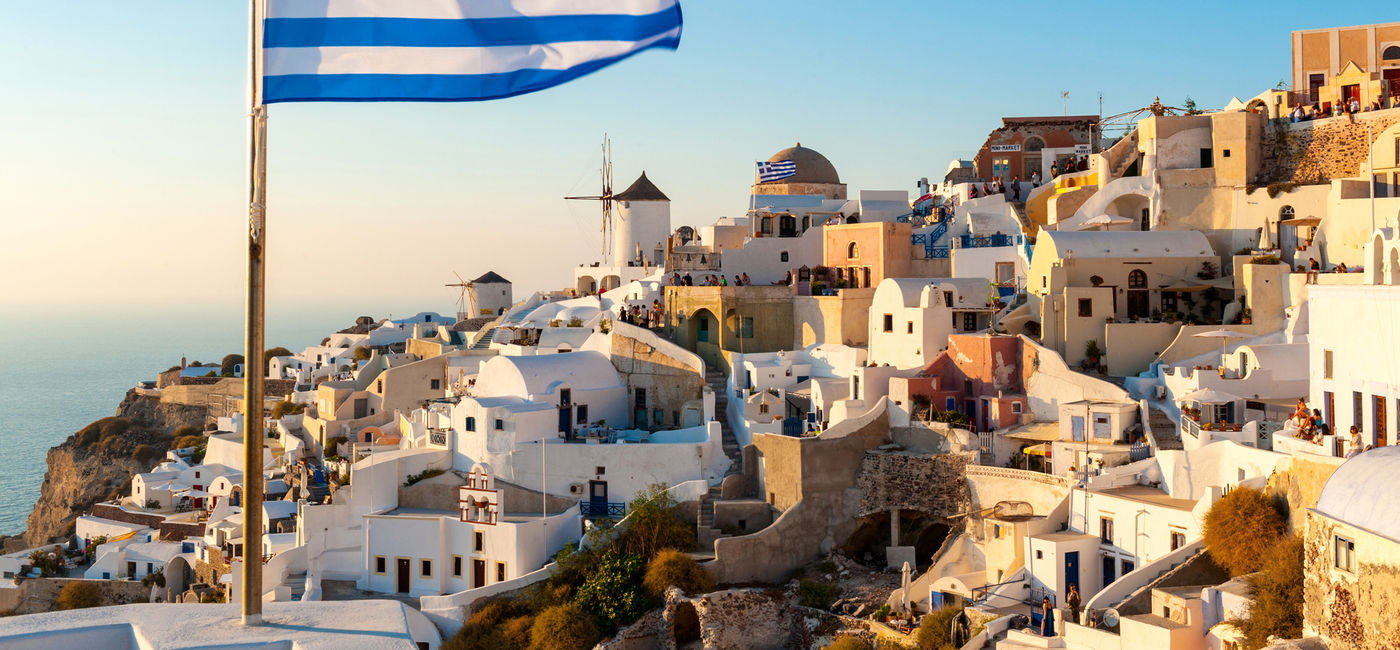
(602, 510)
(437, 437)
(984, 241)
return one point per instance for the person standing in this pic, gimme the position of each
(1047, 617)
(1035, 179)
(1074, 602)
(1054, 169)
(1016, 189)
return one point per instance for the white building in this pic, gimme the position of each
(911, 318)
(641, 225)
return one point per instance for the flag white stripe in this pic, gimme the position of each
(445, 60)
(449, 9)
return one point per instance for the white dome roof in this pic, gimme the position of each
(1350, 495)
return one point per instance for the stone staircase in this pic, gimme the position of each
(1128, 158)
(296, 584)
(716, 381)
(1164, 430)
(705, 531)
(484, 342)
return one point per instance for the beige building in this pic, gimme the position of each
(1333, 65)
(861, 255)
(815, 175)
(711, 320)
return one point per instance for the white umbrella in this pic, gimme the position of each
(1208, 396)
(1104, 221)
(904, 584)
(1222, 334)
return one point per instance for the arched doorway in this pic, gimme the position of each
(586, 285)
(1137, 294)
(685, 625)
(178, 576)
(1030, 157)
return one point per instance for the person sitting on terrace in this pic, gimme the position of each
(1354, 447)
(1313, 268)
(1340, 268)
(1319, 424)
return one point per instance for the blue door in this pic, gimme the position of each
(1076, 426)
(566, 422)
(598, 498)
(1072, 570)
(1110, 565)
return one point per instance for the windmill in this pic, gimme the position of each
(606, 197)
(467, 288)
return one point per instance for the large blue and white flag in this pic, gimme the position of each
(450, 50)
(776, 171)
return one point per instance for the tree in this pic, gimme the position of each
(612, 593)
(672, 568)
(654, 524)
(230, 360)
(362, 353)
(1190, 106)
(79, 594)
(1277, 590)
(1239, 526)
(563, 627)
(935, 631)
(274, 352)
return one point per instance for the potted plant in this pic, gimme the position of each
(1092, 352)
(1246, 316)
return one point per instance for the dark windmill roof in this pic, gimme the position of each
(490, 277)
(642, 190)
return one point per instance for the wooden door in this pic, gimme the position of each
(478, 573)
(402, 568)
(1381, 420)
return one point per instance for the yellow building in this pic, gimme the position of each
(1333, 65)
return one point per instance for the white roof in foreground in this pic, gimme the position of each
(1120, 244)
(308, 625)
(1350, 494)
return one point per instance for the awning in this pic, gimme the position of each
(1226, 282)
(1208, 396)
(1301, 221)
(1042, 449)
(1039, 432)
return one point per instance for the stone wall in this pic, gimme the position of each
(210, 572)
(1316, 152)
(35, 595)
(933, 484)
(169, 530)
(1358, 610)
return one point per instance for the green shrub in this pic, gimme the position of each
(229, 361)
(654, 524)
(575, 322)
(144, 453)
(935, 631)
(814, 594)
(611, 593)
(482, 629)
(156, 578)
(1277, 590)
(672, 568)
(79, 594)
(362, 353)
(422, 476)
(287, 407)
(183, 442)
(186, 430)
(1265, 259)
(849, 642)
(276, 352)
(1239, 526)
(516, 631)
(563, 627)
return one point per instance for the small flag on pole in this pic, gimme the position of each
(776, 171)
(450, 50)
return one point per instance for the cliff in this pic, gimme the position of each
(97, 463)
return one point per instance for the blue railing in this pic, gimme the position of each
(984, 241)
(929, 241)
(1139, 451)
(599, 510)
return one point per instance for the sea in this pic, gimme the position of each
(61, 369)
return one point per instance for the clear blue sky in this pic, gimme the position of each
(122, 172)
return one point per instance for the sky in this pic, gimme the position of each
(122, 163)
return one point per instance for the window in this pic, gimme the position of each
(1391, 53)
(1207, 160)
(1137, 279)
(947, 298)
(600, 470)
(425, 568)
(456, 566)
(196, 474)
(909, 327)
(435, 384)
(889, 322)
(1168, 301)
(1006, 274)
(500, 572)
(765, 225)
(675, 418)
(471, 423)
(500, 424)
(1224, 153)
(566, 397)
(1178, 539)
(852, 251)
(783, 256)
(1356, 409)
(1285, 213)
(479, 541)
(1344, 554)
(1106, 530)
(583, 414)
(746, 327)
(1086, 307)
(641, 399)
(970, 321)
(996, 531)
(1040, 555)
(1326, 364)
(658, 417)
(379, 386)
(1016, 407)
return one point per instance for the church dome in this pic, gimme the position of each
(812, 167)
(1350, 493)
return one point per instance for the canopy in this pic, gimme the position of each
(1104, 221)
(1221, 334)
(1208, 396)
(1038, 432)
(1042, 449)
(1301, 221)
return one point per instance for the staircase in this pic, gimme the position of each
(1127, 159)
(296, 584)
(715, 379)
(1164, 430)
(705, 531)
(484, 343)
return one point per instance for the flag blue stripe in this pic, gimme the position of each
(427, 87)
(465, 32)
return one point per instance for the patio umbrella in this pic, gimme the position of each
(904, 584)
(1104, 221)
(1208, 396)
(1222, 334)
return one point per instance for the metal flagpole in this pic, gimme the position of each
(251, 600)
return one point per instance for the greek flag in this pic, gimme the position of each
(450, 50)
(775, 171)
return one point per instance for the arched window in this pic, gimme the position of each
(1391, 53)
(766, 225)
(852, 251)
(783, 256)
(1137, 279)
(1286, 212)
(1034, 144)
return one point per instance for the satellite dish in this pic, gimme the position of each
(1110, 617)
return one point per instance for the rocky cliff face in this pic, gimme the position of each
(97, 463)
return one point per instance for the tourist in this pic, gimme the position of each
(986, 190)
(1074, 602)
(1340, 268)
(972, 191)
(1054, 169)
(746, 279)
(723, 281)
(739, 281)
(1319, 424)
(1035, 179)
(1047, 617)
(687, 281)
(1313, 268)
(1016, 189)
(1353, 107)
(1354, 445)
(787, 279)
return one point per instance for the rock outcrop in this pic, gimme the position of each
(97, 463)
